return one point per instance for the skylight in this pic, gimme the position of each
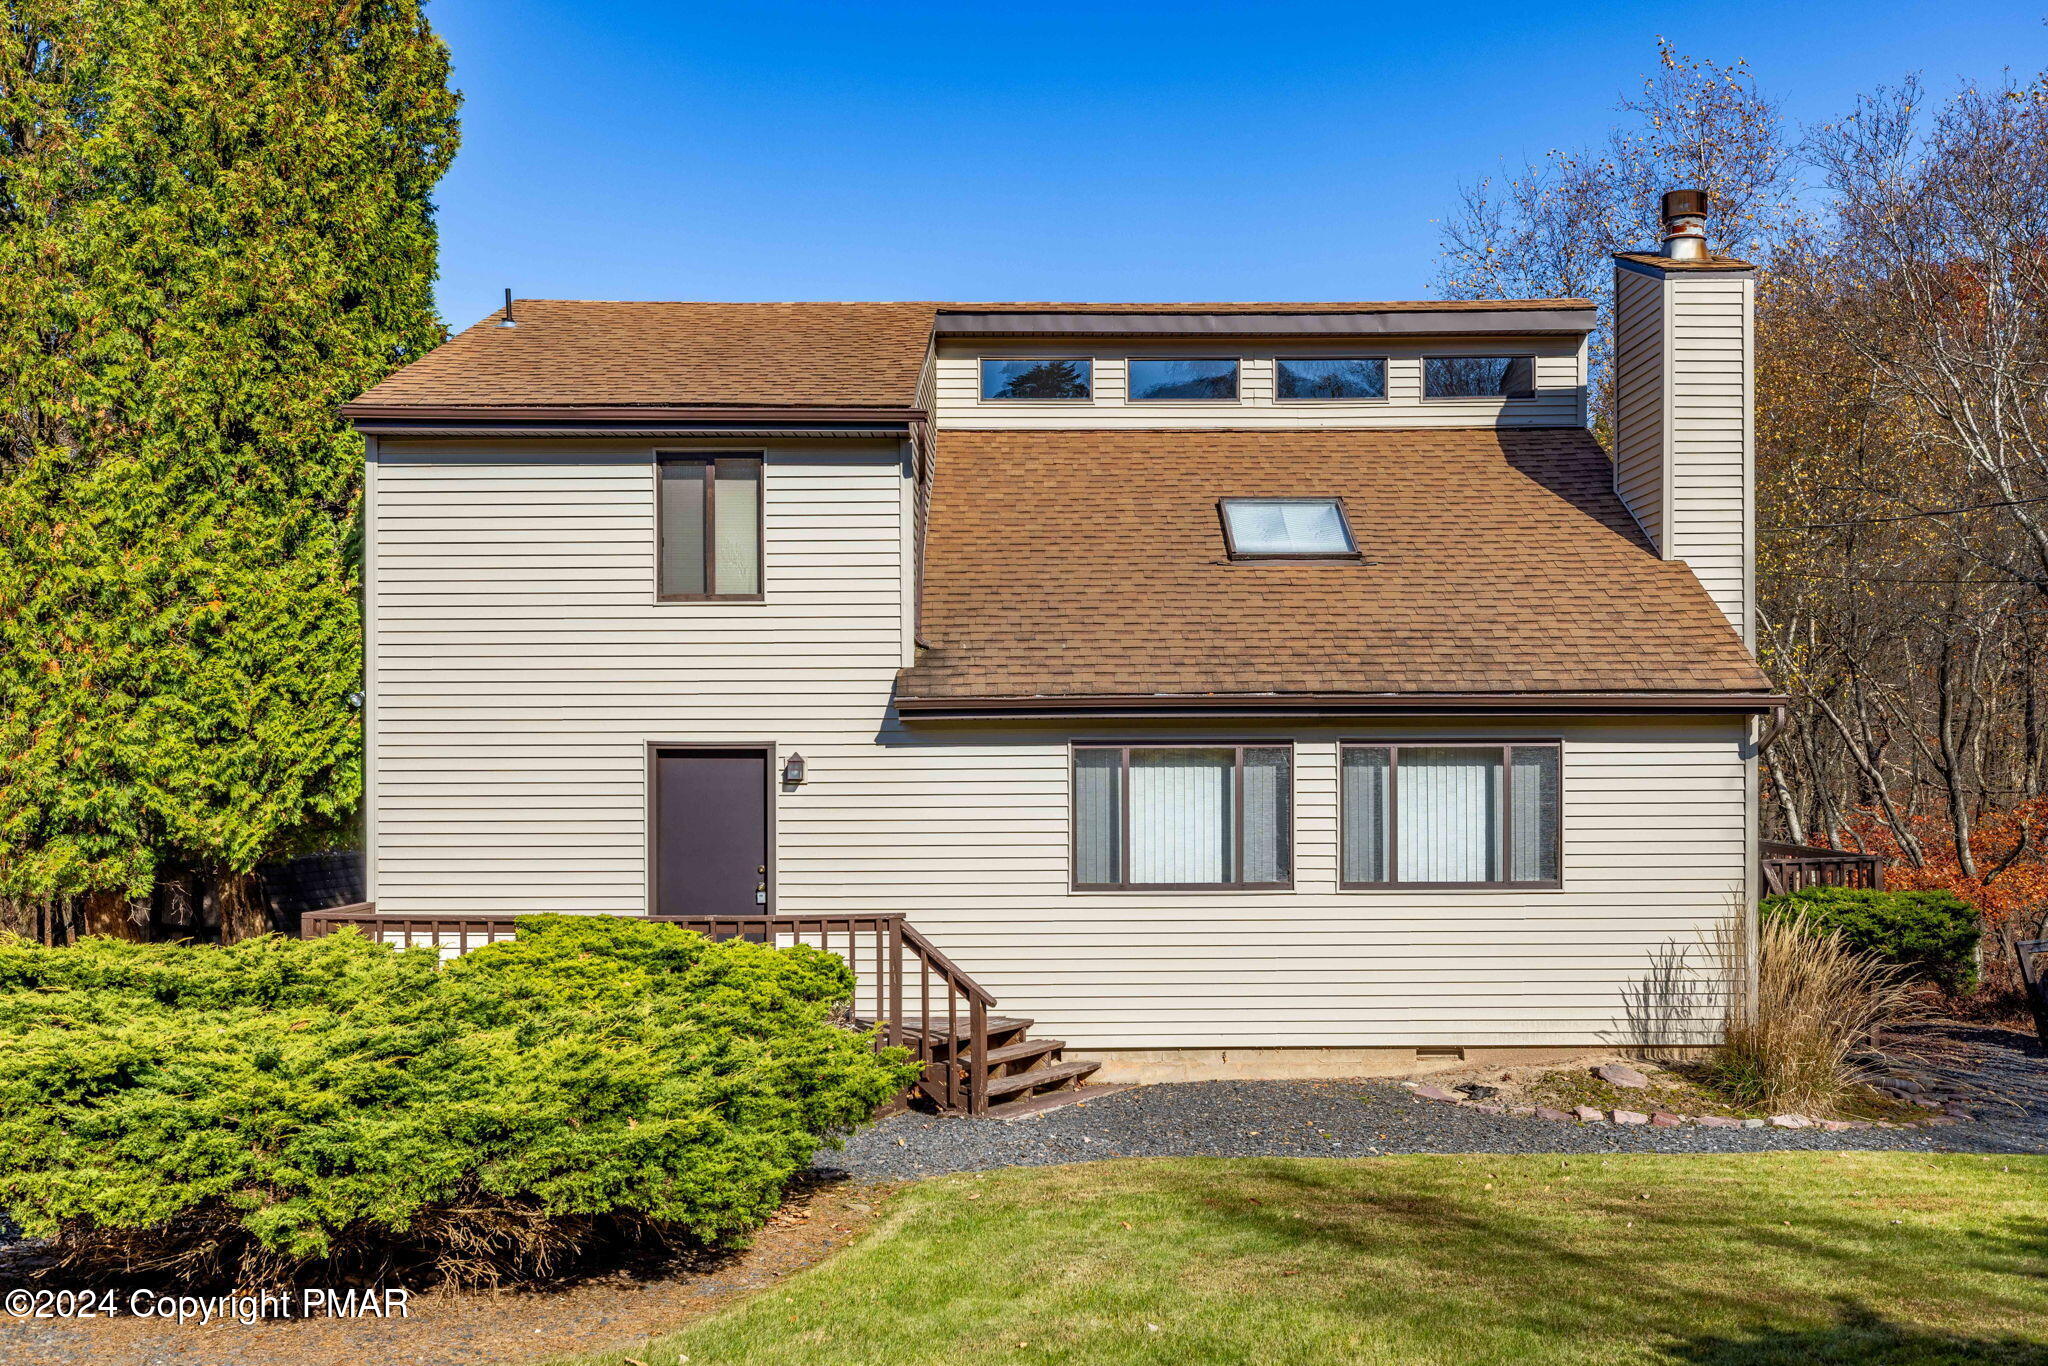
(1292, 528)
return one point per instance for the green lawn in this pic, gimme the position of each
(1782, 1259)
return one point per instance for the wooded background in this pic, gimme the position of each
(1902, 461)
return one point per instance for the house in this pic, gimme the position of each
(1231, 689)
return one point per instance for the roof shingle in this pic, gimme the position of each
(573, 353)
(1069, 564)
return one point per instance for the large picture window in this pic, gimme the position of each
(1450, 815)
(709, 518)
(1163, 816)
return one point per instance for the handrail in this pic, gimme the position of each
(915, 937)
(881, 947)
(1788, 867)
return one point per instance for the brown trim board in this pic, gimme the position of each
(1343, 704)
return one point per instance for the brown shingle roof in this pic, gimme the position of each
(1495, 561)
(574, 353)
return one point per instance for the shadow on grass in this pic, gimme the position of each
(1859, 1337)
(1556, 1280)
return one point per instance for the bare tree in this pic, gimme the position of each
(1551, 229)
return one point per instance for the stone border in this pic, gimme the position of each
(1587, 1114)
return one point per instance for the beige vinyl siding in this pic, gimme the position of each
(1639, 399)
(520, 665)
(967, 830)
(521, 662)
(1683, 428)
(1710, 436)
(1559, 386)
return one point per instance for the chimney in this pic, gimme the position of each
(1685, 225)
(1683, 377)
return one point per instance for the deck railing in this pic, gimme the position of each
(1788, 867)
(922, 999)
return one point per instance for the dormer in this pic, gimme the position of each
(1461, 363)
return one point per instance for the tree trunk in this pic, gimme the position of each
(244, 911)
(110, 914)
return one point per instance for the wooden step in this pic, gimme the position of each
(1024, 1083)
(997, 1024)
(1032, 1106)
(1023, 1051)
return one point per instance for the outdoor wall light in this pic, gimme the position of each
(793, 770)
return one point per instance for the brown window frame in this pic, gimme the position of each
(1231, 551)
(1123, 811)
(711, 460)
(1506, 750)
(1422, 377)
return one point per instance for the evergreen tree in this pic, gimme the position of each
(214, 228)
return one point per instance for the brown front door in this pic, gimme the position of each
(711, 832)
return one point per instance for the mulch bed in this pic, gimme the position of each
(612, 1310)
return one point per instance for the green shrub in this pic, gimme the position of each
(257, 1110)
(1931, 934)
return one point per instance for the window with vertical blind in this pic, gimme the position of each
(1164, 816)
(1450, 815)
(709, 527)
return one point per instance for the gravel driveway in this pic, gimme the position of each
(2004, 1071)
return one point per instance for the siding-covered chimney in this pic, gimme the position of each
(1684, 377)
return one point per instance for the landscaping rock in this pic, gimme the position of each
(1367, 1119)
(1836, 1126)
(1630, 1117)
(1791, 1121)
(1958, 1112)
(1721, 1121)
(1621, 1074)
(1545, 1112)
(1666, 1121)
(1436, 1093)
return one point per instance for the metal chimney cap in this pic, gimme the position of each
(1685, 204)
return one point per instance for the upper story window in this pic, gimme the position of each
(1309, 378)
(709, 527)
(1155, 380)
(1059, 378)
(1287, 528)
(1479, 377)
(1450, 815)
(1183, 816)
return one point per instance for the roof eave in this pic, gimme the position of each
(1695, 703)
(389, 419)
(1569, 321)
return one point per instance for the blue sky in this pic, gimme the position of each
(625, 149)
